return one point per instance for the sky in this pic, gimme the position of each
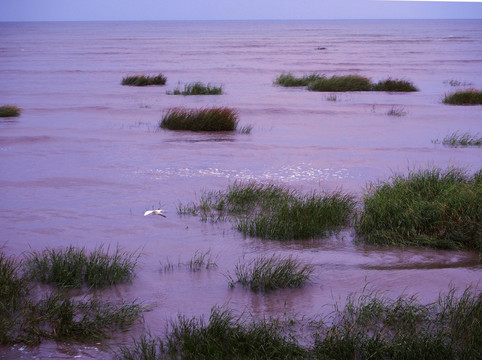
(88, 10)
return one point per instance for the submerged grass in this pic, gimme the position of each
(370, 326)
(289, 80)
(74, 267)
(274, 212)
(464, 97)
(206, 119)
(461, 139)
(397, 111)
(340, 84)
(9, 111)
(144, 80)
(432, 208)
(197, 88)
(394, 85)
(269, 273)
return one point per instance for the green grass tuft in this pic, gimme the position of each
(397, 111)
(340, 84)
(462, 139)
(223, 336)
(73, 267)
(273, 212)
(269, 273)
(9, 111)
(197, 88)
(206, 119)
(430, 208)
(289, 80)
(143, 80)
(464, 97)
(394, 85)
(13, 286)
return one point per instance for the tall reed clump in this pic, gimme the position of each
(374, 327)
(223, 336)
(394, 85)
(74, 267)
(205, 119)
(144, 80)
(289, 80)
(9, 111)
(198, 88)
(265, 273)
(273, 212)
(432, 208)
(340, 84)
(464, 97)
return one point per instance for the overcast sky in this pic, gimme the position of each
(66, 10)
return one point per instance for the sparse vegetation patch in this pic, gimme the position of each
(464, 97)
(431, 208)
(144, 80)
(9, 111)
(206, 119)
(197, 88)
(457, 139)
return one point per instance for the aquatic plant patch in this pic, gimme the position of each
(197, 88)
(144, 80)
(73, 267)
(265, 273)
(289, 80)
(464, 97)
(397, 111)
(394, 85)
(205, 119)
(222, 336)
(274, 212)
(430, 208)
(340, 84)
(9, 111)
(457, 139)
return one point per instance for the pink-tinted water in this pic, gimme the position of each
(85, 159)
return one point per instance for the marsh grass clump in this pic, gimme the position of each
(205, 119)
(430, 208)
(14, 287)
(246, 129)
(267, 273)
(223, 336)
(274, 212)
(340, 84)
(9, 111)
(144, 80)
(374, 327)
(74, 267)
(394, 85)
(464, 97)
(202, 260)
(289, 80)
(462, 139)
(197, 88)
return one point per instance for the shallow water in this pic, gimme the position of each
(85, 159)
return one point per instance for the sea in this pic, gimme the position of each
(86, 157)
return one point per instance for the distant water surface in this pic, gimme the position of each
(85, 159)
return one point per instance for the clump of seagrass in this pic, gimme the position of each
(73, 267)
(205, 119)
(464, 97)
(23, 319)
(394, 85)
(144, 80)
(374, 327)
(337, 83)
(289, 80)
(265, 273)
(274, 212)
(223, 336)
(430, 208)
(9, 111)
(457, 139)
(197, 88)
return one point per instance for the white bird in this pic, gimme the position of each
(155, 212)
